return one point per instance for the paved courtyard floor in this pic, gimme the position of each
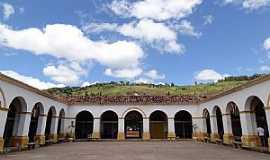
(154, 150)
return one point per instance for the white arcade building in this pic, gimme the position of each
(30, 116)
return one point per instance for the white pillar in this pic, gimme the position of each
(227, 125)
(23, 125)
(121, 129)
(40, 135)
(214, 129)
(3, 119)
(96, 128)
(249, 127)
(146, 132)
(198, 128)
(53, 130)
(171, 128)
(267, 112)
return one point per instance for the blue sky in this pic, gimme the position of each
(67, 43)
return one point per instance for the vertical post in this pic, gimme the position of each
(3, 118)
(227, 124)
(21, 135)
(199, 130)
(249, 136)
(214, 129)
(53, 130)
(267, 112)
(171, 129)
(121, 129)
(96, 128)
(40, 135)
(146, 133)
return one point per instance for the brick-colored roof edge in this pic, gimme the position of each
(239, 88)
(64, 100)
(30, 88)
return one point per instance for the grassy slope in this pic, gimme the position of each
(116, 90)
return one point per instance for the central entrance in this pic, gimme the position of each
(183, 125)
(109, 125)
(84, 125)
(133, 125)
(158, 125)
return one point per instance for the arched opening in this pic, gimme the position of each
(183, 125)
(84, 125)
(206, 122)
(133, 125)
(158, 125)
(233, 110)
(15, 118)
(109, 125)
(258, 111)
(220, 128)
(34, 123)
(61, 124)
(50, 122)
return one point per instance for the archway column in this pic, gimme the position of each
(227, 125)
(267, 112)
(53, 130)
(214, 128)
(3, 118)
(171, 129)
(40, 136)
(96, 128)
(121, 129)
(249, 137)
(199, 132)
(20, 134)
(146, 130)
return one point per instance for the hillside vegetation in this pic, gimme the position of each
(127, 88)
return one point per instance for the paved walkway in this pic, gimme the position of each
(184, 150)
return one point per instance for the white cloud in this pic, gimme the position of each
(152, 32)
(265, 68)
(99, 27)
(249, 4)
(127, 73)
(266, 44)
(86, 84)
(143, 81)
(208, 19)
(8, 10)
(31, 81)
(66, 74)
(209, 75)
(159, 35)
(185, 27)
(154, 75)
(255, 4)
(155, 9)
(69, 42)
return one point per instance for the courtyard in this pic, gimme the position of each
(152, 150)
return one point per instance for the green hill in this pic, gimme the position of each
(126, 88)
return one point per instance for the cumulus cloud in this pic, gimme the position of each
(154, 75)
(157, 34)
(8, 10)
(31, 81)
(69, 42)
(208, 19)
(126, 73)
(155, 9)
(249, 4)
(185, 28)
(66, 74)
(152, 32)
(265, 68)
(266, 44)
(207, 75)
